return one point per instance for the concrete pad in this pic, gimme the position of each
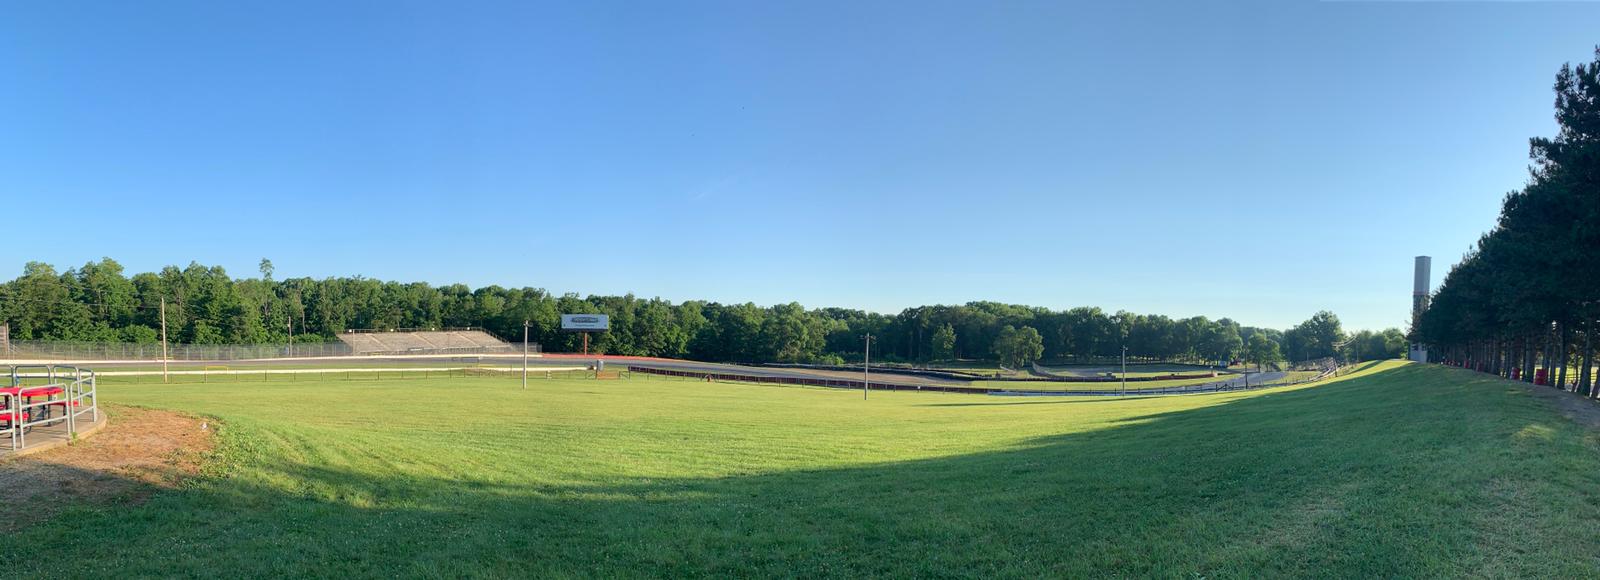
(45, 438)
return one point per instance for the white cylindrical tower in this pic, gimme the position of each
(1420, 287)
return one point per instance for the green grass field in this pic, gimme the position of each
(1399, 470)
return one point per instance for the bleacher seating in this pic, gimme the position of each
(423, 342)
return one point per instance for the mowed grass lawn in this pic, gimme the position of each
(1399, 470)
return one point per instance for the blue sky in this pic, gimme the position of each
(1259, 161)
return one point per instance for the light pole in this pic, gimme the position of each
(866, 368)
(1124, 371)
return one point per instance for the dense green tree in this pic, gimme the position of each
(1016, 347)
(944, 343)
(1262, 351)
(1526, 295)
(98, 302)
(1368, 345)
(1321, 335)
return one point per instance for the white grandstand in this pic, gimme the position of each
(414, 341)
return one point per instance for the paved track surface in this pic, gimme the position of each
(876, 377)
(1102, 370)
(1229, 382)
(1234, 383)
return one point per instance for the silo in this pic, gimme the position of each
(1420, 286)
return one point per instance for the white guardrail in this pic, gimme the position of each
(44, 396)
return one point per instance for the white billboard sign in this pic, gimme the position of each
(585, 322)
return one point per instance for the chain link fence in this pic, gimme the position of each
(65, 350)
(101, 351)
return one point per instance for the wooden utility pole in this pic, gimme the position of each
(524, 355)
(163, 339)
(866, 368)
(1124, 391)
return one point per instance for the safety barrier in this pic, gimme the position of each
(41, 396)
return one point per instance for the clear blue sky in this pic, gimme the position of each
(1253, 160)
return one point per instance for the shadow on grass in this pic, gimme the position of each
(1400, 473)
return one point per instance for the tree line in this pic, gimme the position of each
(1526, 295)
(97, 302)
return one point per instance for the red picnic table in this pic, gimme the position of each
(8, 413)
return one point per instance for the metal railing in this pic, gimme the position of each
(37, 391)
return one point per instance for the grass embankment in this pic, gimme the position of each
(1395, 471)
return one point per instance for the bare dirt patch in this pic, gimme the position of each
(138, 453)
(1574, 406)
